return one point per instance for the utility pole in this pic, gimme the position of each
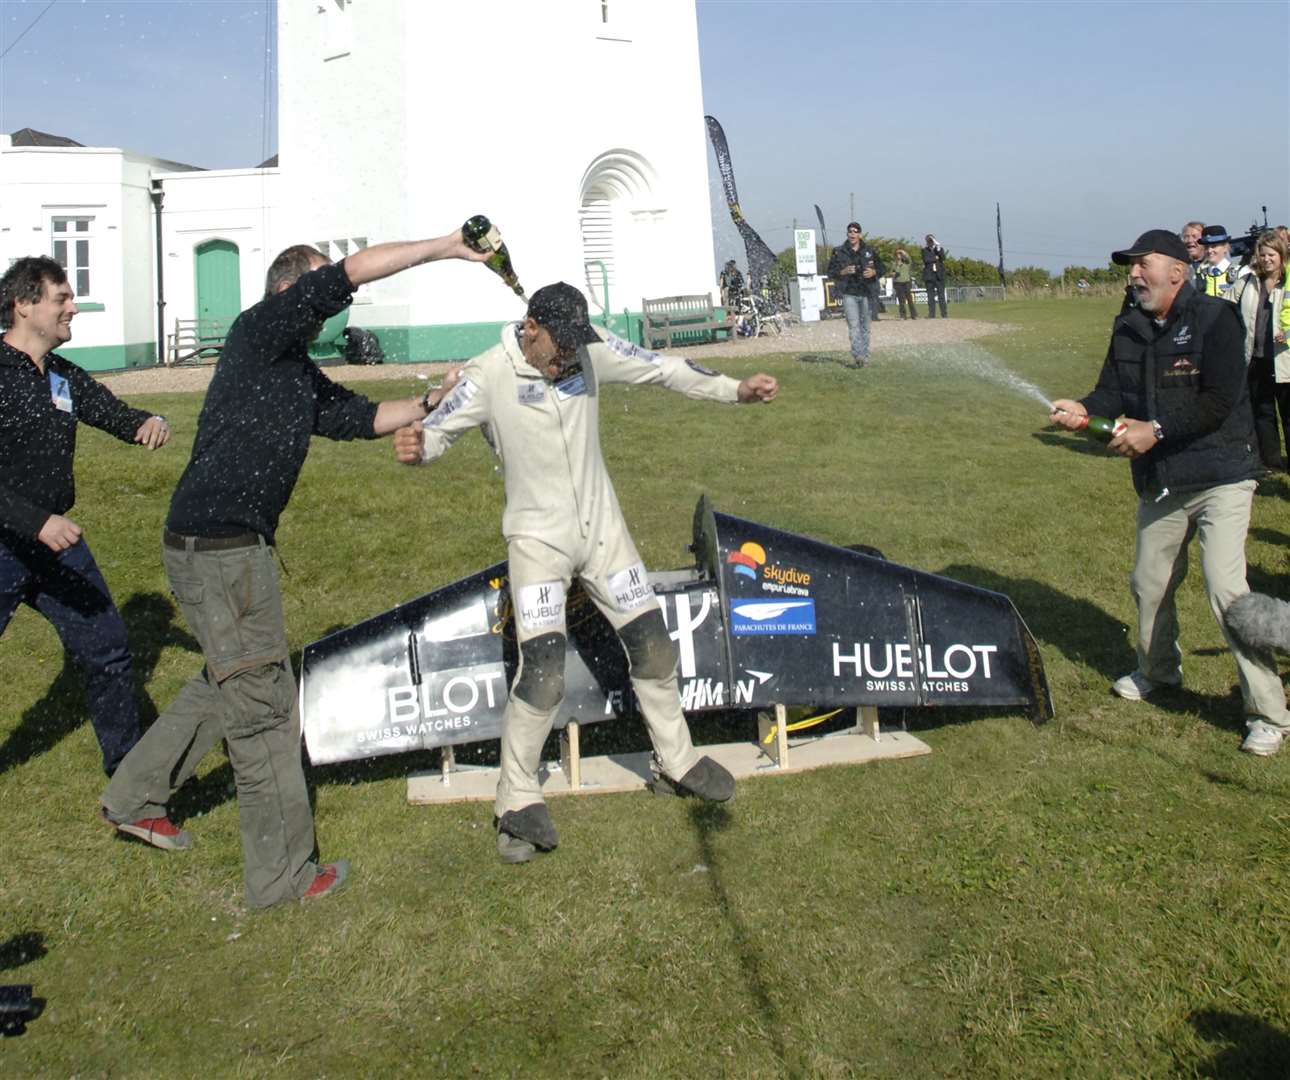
(852, 215)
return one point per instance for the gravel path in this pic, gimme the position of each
(828, 335)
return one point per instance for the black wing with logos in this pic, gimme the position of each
(764, 617)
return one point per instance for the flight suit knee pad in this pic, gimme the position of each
(541, 681)
(651, 652)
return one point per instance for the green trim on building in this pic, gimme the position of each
(113, 357)
(86, 305)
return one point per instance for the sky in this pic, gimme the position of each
(1087, 122)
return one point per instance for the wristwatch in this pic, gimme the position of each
(1157, 431)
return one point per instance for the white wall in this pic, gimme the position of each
(343, 135)
(38, 183)
(237, 205)
(399, 120)
(423, 114)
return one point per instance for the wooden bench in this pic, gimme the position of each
(196, 340)
(671, 318)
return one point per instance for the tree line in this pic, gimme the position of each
(963, 271)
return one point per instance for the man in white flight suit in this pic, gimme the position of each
(537, 396)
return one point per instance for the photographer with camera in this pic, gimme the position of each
(934, 276)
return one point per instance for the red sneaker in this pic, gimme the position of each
(331, 876)
(159, 832)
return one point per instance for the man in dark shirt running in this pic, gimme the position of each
(266, 400)
(44, 560)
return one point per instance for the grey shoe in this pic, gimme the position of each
(531, 824)
(511, 849)
(1135, 686)
(705, 780)
(1263, 739)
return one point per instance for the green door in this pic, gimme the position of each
(219, 288)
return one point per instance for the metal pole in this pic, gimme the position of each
(158, 197)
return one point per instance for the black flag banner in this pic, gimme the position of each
(998, 227)
(760, 257)
(824, 233)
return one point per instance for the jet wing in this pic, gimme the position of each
(764, 617)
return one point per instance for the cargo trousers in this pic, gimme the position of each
(245, 695)
(1220, 517)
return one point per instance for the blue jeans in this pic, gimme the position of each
(67, 588)
(856, 309)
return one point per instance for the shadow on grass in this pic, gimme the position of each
(1082, 631)
(1076, 444)
(1087, 635)
(22, 949)
(708, 820)
(1271, 536)
(1253, 1050)
(150, 624)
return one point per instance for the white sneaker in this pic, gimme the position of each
(1135, 686)
(1263, 738)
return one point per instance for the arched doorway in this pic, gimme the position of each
(219, 281)
(617, 189)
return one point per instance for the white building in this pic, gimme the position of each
(576, 125)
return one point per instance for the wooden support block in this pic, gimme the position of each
(570, 756)
(772, 735)
(867, 721)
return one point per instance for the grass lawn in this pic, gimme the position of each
(1108, 895)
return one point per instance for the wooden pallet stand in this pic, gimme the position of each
(775, 753)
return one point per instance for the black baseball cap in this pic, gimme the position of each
(1161, 241)
(1214, 234)
(563, 311)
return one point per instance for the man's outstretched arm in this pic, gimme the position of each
(383, 260)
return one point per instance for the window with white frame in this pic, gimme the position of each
(73, 241)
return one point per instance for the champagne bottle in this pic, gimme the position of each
(482, 235)
(1101, 428)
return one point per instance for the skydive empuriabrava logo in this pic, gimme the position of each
(791, 616)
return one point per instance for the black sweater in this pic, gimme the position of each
(38, 440)
(266, 399)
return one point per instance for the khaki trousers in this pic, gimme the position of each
(533, 566)
(1220, 518)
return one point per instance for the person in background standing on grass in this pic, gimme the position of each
(45, 561)
(1190, 236)
(856, 268)
(1174, 371)
(1218, 274)
(934, 276)
(904, 283)
(1262, 300)
(266, 400)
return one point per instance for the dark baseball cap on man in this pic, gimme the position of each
(1161, 241)
(1214, 234)
(563, 311)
